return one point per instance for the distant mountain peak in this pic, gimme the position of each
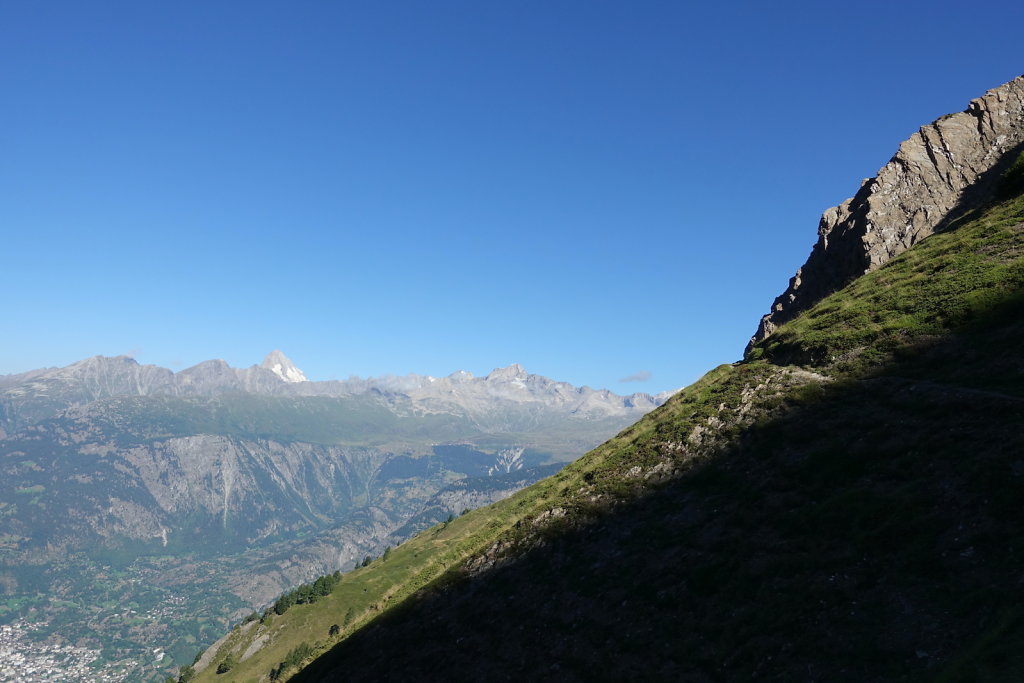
(280, 365)
(98, 360)
(512, 372)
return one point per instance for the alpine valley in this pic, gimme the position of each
(844, 504)
(144, 511)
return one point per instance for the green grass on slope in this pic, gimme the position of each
(872, 535)
(433, 557)
(361, 595)
(891, 333)
(946, 282)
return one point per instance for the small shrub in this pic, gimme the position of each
(294, 658)
(227, 665)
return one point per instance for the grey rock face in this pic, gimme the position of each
(937, 173)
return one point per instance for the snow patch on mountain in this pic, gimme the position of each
(507, 461)
(280, 365)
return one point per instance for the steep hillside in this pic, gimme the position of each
(842, 505)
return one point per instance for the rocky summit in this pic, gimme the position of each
(280, 365)
(940, 172)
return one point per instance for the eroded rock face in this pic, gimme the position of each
(940, 171)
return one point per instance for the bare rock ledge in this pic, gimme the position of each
(935, 175)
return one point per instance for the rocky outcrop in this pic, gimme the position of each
(943, 170)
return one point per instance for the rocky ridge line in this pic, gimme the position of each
(936, 172)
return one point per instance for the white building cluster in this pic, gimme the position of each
(25, 661)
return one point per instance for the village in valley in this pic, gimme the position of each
(26, 661)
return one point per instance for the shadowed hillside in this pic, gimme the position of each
(866, 526)
(871, 531)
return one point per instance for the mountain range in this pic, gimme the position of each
(28, 397)
(223, 487)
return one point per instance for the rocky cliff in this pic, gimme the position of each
(939, 172)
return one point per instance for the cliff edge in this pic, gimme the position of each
(939, 172)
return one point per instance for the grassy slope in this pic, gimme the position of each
(769, 521)
(428, 558)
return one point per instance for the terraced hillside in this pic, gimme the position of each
(842, 505)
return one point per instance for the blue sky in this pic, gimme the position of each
(595, 190)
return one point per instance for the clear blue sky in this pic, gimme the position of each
(591, 189)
